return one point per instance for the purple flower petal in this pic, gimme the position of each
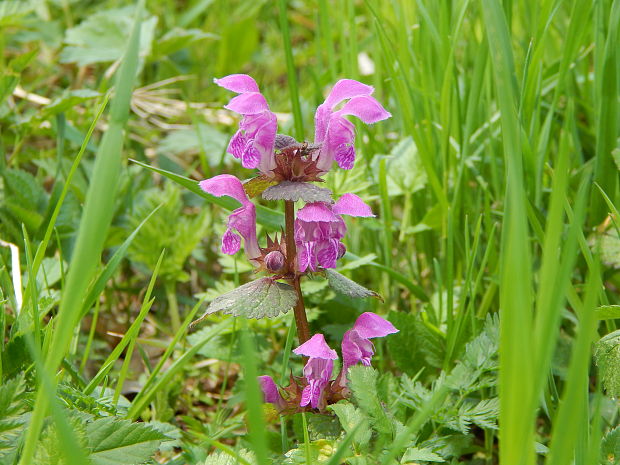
(248, 104)
(316, 347)
(356, 349)
(346, 88)
(242, 220)
(225, 184)
(370, 325)
(340, 134)
(352, 205)
(316, 211)
(365, 108)
(231, 243)
(317, 372)
(271, 394)
(239, 83)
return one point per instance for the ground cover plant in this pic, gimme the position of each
(428, 216)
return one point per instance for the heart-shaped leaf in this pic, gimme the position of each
(262, 298)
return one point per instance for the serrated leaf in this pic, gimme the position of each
(323, 426)
(413, 455)
(103, 36)
(12, 417)
(256, 186)
(295, 191)
(348, 287)
(363, 384)
(262, 298)
(608, 312)
(350, 418)
(222, 458)
(23, 188)
(610, 447)
(115, 442)
(177, 38)
(607, 355)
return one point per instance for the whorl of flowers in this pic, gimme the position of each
(312, 239)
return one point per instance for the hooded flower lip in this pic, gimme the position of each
(317, 371)
(319, 228)
(334, 131)
(254, 142)
(242, 220)
(356, 345)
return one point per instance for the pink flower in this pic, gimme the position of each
(319, 227)
(242, 220)
(356, 345)
(334, 131)
(271, 394)
(317, 371)
(253, 142)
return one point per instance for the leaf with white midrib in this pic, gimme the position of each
(262, 298)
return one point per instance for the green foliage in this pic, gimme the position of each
(607, 356)
(13, 417)
(262, 298)
(167, 229)
(103, 37)
(348, 287)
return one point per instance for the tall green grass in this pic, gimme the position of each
(511, 110)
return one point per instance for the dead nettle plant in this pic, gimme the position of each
(311, 242)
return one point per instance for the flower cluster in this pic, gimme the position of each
(319, 227)
(316, 390)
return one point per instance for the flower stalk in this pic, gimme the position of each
(301, 320)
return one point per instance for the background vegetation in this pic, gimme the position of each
(495, 245)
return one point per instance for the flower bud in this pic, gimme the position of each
(274, 261)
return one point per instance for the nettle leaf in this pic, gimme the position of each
(114, 442)
(413, 455)
(610, 447)
(295, 191)
(256, 186)
(223, 458)
(262, 298)
(320, 451)
(323, 427)
(103, 36)
(12, 417)
(607, 355)
(363, 384)
(350, 418)
(177, 38)
(348, 287)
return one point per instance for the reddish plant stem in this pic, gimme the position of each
(301, 321)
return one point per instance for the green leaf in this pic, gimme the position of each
(413, 455)
(69, 100)
(103, 37)
(363, 384)
(608, 312)
(346, 286)
(262, 298)
(607, 355)
(12, 417)
(295, 191)
(353, 419)
(199, 138)
(610, 447)
(116, 442)
(23, 189)
(178, 38)
(405, 170)
(11, 74)
(323, 426)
